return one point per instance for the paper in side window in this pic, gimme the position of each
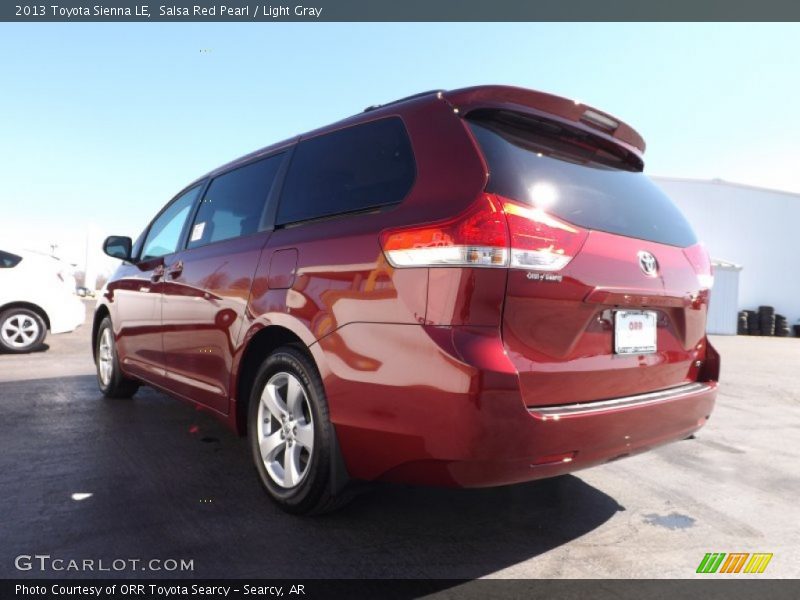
(197, 231)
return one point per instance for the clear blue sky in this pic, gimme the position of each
(102, 123)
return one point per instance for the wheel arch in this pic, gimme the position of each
(258, 347)
(101, 313)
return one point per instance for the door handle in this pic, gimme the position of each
(158, 273)
(176, 269)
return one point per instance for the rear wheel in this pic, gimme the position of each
(291, 436)
(21, 330)
(110, 379)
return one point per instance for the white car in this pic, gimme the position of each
(37, 294)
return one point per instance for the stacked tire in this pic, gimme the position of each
(766, 320)
(753, 327)
(741, 323)
(781, 326)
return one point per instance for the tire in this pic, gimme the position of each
(291, 438)
(767, 323)
(110, 379)
(21, 330)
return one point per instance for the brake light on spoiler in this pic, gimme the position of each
(493, 232)
(513, 98)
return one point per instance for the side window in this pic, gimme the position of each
(165, 232)
(233, 205)
(136, 250)
(358, 168)
(8, 260)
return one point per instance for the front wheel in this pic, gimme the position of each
(291, 436)
(110, 379)
(21, 330)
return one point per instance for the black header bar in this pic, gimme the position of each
(400, 10)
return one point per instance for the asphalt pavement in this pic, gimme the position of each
(85, 478)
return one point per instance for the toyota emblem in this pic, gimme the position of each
(648, 263)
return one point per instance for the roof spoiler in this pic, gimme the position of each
(514, 98)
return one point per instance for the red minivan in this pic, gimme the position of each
(468, 288)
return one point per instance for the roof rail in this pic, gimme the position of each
(411, 97)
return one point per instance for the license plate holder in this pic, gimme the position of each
(635, 331)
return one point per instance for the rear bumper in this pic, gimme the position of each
(67, 315)
(549, 444)
(461, 420)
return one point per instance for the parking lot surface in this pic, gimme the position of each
(83, 477)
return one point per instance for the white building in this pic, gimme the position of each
(756, 228)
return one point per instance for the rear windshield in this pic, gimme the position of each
(576, 176)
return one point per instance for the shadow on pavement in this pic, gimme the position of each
(38, 350)
(167, 481)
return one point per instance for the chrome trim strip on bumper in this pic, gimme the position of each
(563, 410)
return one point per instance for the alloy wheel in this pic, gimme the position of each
(285, 430)
(105, 357)
(20, 331)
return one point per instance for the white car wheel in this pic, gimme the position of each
(21, 330)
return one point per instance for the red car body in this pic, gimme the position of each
(443, 375)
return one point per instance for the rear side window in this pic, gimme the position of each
(355, 169)
(8, 260)
(234, 203)
(577, 177)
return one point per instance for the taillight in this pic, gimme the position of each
(493, 232)
(701, 263)
(540, 241)
(479, 237)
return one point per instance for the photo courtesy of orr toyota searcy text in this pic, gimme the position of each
(159, 591)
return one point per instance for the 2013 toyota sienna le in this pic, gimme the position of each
(467, 288)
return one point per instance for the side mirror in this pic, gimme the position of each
(118, 246)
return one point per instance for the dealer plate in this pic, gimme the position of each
(635, 331)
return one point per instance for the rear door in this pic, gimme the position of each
(626, 315)
(206, 285)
